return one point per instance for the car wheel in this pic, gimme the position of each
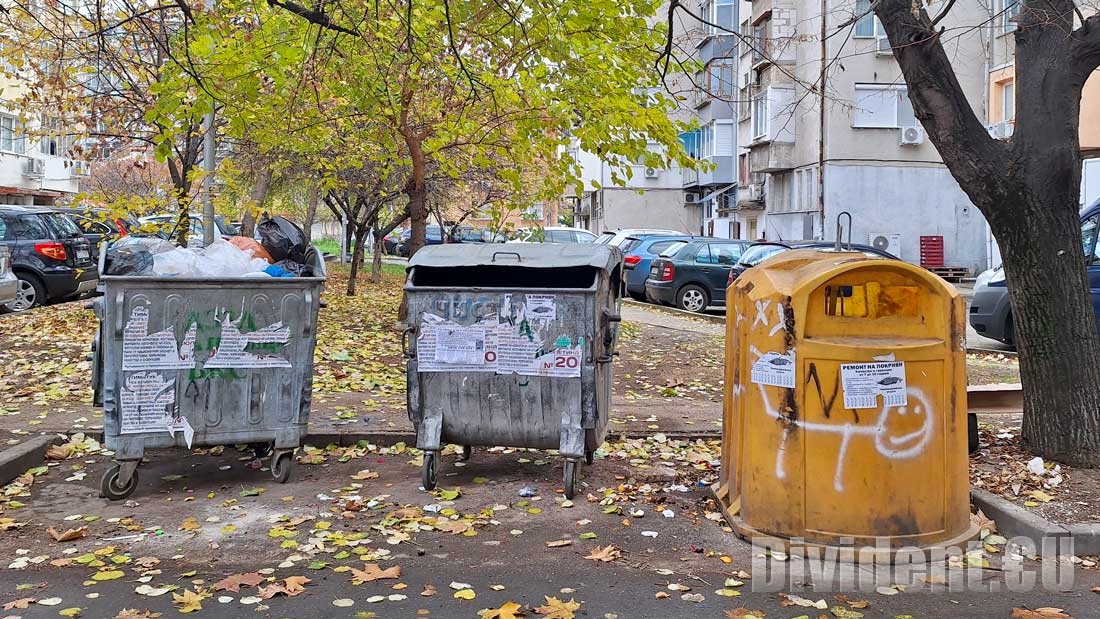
(692, 298)
(29, 294)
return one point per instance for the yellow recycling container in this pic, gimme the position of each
(845, 403)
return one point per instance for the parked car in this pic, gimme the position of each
(692, 275)
(762, 250)
(617, 237)
(99, 224)
(553, 234)
(9, 284)
(638, 254)
(49, 254)
(990, 314)
(164, 225)
(433, 235)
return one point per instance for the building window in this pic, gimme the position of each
(1007, 12)
(882, 106)
(534, 212)
(759, 42)
(868, 25)
(10, 139)
(721, 82)
(1008, 102)
(746, 38)
(722, 14)
(760, 115)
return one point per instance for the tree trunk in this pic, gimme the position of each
(376, 263)
(311, 212)
(255, 202)
(356, 258)
(1027, 188)
(416, 190)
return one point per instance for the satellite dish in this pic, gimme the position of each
(881, 243)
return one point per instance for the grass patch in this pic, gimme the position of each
(328, 245)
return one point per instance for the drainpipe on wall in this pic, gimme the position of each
(821, 124)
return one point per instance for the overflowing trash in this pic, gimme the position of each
(282, 251)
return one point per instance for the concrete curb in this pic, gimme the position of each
(718, 320)
(14, 461)
(387, 439)
(1015, 521)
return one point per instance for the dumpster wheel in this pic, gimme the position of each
(282, 463)
(111, 489)
(589, 457)
(428, 470)
(570, 478)
(467, 451)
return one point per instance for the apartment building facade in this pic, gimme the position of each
(866, 154)
(1001, 89)
(34, 170)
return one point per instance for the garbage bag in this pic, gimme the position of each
(128, 260)
(282, 239)
(179, 262)
(253, 246)
(152, 244)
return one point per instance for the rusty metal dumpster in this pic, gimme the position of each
(845, 410)
(203, 362)
(512, 346)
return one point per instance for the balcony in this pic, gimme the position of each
(771, 157)
(690, 177)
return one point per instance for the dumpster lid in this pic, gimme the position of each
(528, 255)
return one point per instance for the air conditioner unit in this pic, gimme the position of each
(756, 192)
(888, 242)
(34, 168)
(690, 197)
(911, 136)
(80, 168)
(651, 172)
(1001, 131)
(883, 47)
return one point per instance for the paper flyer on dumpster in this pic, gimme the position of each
(262, 348)
(180, 424)
(862, 383)
(142, 350)
(440, 347)
(774, 369)
(541, 307)
(500, 347)
(146, 402)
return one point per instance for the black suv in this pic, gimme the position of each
(50, 256)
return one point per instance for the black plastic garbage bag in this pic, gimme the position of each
(128, 260)
(282, 238)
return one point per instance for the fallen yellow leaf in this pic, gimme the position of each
(189, 601)
(558, 609)
(465, 594)
(508, 610)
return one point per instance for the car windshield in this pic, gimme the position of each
(604, 238)
(758, 253)
(673, 249)
(629, 244)
(66, 228)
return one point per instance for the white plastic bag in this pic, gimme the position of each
(179, 262)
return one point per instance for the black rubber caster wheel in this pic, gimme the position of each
(282, 465)
(428, 470)
(467, 451)
(110, 487)
(570, 478)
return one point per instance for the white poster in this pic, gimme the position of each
(864, 382)
(142, 350)
(489, 346)
(541, 307)
(431, 357)
(180, 424)
(464, 345)
(774, 369)
(262, 348)
(146, 402)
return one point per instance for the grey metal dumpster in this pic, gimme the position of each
(204, 362)
(512, 346)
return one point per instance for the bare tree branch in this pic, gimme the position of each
(314, 17)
